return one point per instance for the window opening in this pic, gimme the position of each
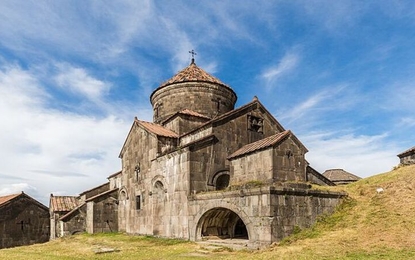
(138, 202)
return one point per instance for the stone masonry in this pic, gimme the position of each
(203, 169)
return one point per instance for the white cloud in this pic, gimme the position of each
(271, 74)
(47, 148)
(314, 108)
(78, 81)
(17, 188)
(362, 155)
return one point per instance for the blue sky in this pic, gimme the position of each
(73, 74)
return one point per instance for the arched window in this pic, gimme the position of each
(123, 195)
(159, 191)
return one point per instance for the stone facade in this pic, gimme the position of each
(93, 211)
(204, 169)
(407, 157)
(23, 221)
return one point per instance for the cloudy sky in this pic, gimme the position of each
(73, 74)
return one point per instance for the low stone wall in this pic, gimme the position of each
(269, 213)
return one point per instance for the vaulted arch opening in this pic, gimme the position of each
(222, 223)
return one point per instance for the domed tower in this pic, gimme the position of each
(193, 89)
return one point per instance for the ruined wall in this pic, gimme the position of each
(23, 222)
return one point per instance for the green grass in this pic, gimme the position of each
(367, 225)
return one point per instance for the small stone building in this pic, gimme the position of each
(407, 157)
(93, 211)
(203, 169)
(58, 207)
(23, 221)
(340, 176)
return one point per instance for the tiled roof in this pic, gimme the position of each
(63, 203)
(72, 211)
(407, 152)
(193, 113)
(192, 73)
(261, 144)
(114, 174)
(4, 199)
(340, 175)
(157, 129)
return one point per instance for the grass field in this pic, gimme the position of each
(368, 225)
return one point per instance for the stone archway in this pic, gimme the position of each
(221, 223)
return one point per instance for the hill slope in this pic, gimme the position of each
(368, 225)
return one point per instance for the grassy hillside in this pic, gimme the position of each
(369, 225)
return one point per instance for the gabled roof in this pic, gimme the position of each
(63, 203)
(157, 129)
(192, 73)
(231, 113)
(187, 112)
(336, 175)
(6, 198)
(193, 113)
(407, 152)
(152, 128)
(261, 144)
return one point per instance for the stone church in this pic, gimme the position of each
(204, 169)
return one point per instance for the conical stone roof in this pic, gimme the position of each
(192, 73)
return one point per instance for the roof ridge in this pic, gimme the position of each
(6, 198)
(260, 144)
(157, 129)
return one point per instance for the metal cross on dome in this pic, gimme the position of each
(193, 55)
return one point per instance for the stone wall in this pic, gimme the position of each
(23, 222)
(253, 167)
(269, 213)
(182, 123)
(196, 96)
(103, 213)
(408, 159)
(75, 222)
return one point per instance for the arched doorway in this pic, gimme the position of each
(158, 195)
(222, 223)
